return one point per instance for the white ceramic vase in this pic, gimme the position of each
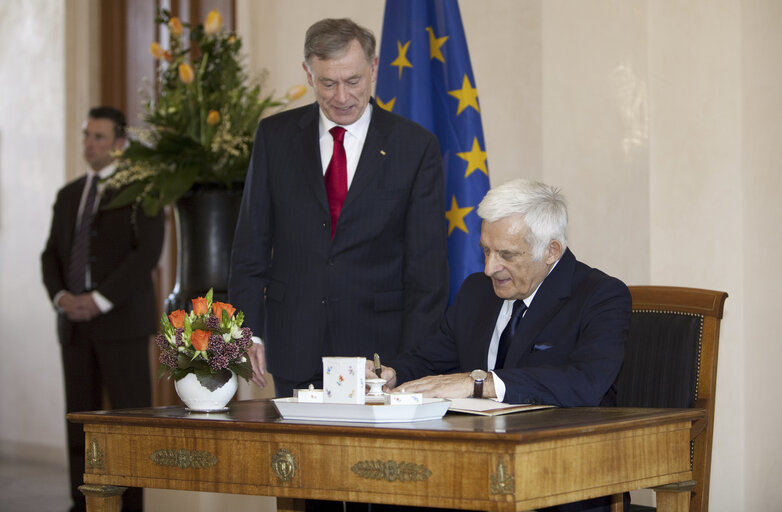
(198, 398)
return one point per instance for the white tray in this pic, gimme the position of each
(431, 409)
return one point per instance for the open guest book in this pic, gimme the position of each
(487, 407)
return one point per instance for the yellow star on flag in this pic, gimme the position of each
(401, 59)
(456, 216)
(476, 159)
(389, 105)
(434, 45)
(467, 95)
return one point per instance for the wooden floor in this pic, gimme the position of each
(27, 486)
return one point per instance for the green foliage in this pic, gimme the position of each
(181, 145)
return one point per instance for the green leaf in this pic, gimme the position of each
(243, 369)
(212, 381)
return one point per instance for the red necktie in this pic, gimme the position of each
(337, 177)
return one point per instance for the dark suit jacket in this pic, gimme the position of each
(567, 349)
(122, 257)
(381, 280)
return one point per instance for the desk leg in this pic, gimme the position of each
(674, 497)
(290, 505)
(103, 498)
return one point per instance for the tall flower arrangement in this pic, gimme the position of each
(200, 117)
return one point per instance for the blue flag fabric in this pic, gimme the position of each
(424, 74)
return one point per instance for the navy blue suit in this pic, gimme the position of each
(567, 349)
(381, 280)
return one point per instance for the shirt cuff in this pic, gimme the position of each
(499, 388)
(56, 300)
(104, 304)
(257, 340)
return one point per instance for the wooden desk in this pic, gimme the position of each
(513, 462)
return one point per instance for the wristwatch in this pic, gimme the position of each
(478, 377)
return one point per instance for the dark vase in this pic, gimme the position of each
(205, 222)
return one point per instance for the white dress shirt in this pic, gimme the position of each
(355, 135)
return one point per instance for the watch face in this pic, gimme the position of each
(479, 375)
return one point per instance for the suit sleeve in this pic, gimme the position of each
(52, 262)
(251, 251)
(591, 367)
(426, 258)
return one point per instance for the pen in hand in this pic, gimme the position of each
(378, 368)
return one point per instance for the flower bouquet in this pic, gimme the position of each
(209, 342)
(199, 116)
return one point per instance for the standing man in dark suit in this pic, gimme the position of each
(340, 247)
(97, 268)
(538, 326)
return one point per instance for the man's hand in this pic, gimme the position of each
(78, 308)
(455, 385)
(386, 372)
(257, 354)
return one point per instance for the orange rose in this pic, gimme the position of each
(177, 318)
(156, 50)
(214, 20)
(167, 55)
(199, 306)
(186, 73)
(175, 26)
(213, 117)
(219, 307)
(295, 92)
(200, 339)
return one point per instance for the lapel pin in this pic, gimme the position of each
(383, 152)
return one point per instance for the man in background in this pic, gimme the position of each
(340, 247)
(97, 268)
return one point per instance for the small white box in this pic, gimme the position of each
(343, 380)
(406, 398)
(311, 395)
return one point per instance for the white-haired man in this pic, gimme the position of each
(537, 326)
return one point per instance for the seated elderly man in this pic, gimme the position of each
(537, 326)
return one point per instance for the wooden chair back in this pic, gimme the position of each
(671, 361)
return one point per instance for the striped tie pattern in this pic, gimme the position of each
(77, 270)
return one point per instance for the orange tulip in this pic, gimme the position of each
(214, 20)
(212, 119)
(177, 318)
(200, 339)
(295, 92)
(186, 73)
(219, 307)
(156, 50)
(175, 26)
(199, 306)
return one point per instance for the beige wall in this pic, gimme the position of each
(660, 119)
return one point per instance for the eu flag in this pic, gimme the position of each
(424, 74)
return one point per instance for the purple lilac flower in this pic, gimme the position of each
(168, 359)
(231, 351)
(161, 341)
(178, 337)
(218, 362)
(216, 344)
(212, 322)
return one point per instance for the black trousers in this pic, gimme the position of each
(92, 361)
